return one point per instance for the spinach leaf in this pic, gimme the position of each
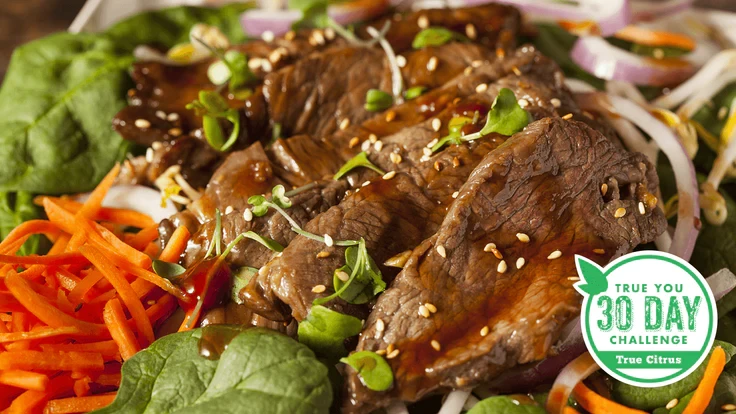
(15, 208)
(504, 404)
(58, 99)
(171, 26)
(651, 398)
(325, 331)
(260, 369)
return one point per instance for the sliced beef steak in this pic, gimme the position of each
(544, 182)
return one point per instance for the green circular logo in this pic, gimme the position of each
(648, 318)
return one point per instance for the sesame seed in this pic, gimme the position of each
(523, 103)
(620, 212)
(343, 276)
(389, 175)
(489, 247)
(484, 331)
(670, 405)
(319, 289)
(319, 38)
(393, 354)
(149, 155)
(268, 36)
(380, 325)
(476, 63)
(522, 237)
(438, 166)
(435, 345)
(500, 53)
(142, 123)
(658, 53)
(254, 63)
(432, 64)
(516, 71)
(432, 143)
(401, 61)
(266, 65)
(455, 162)
(436, 124)
(430, 307)
(275, 56)
(573, 278)
(330, 33)
(424, 158)
(172, 117)
(353, 142)
(555, 102)
(323, 254)
(470, 31)
(722, 113)
(441, 251)
(468, 71)
(372, 138)
(604, 188)
(390, 348)
(455, 194)
(728, 407)
(161, 114)
(520, 262)
(426, 151)
(229, 209)
(378, 146)
(174, 132)
(290, 35)
(566, 117)
(554, 255)
(390, 115)
(642, 209)
(366, 145)
(344, 124)
(423, 22)
(366, 184)
(502, 266)
(157, 145)
(381, 352)
(481, 88)
(395, 158)
(248, 215)
(328, 240)
(424, 311)
(497, 253)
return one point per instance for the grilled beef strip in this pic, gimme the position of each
(396, 215)
(544, 182)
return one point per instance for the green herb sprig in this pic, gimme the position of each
(212, 107)
(373, 370)
(364, 278)
(433, 36)
(360, 160)
(232, 67)
(324, 331)
(506, 117)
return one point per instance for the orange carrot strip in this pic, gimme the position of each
(126, 292)
(41, 333)
(81, 386)
(594, 403)
(161, 308)
(94, 202)
(24, 379)
(108, 379)
(145, 236)
(113, 215)
(655, 38)
(71, 258)
(56, 361)
(119, 330)
(176, 245)
(108, 349)
(30, 400)
(43, 310)
(104, 297)
(30, 227)
(703, 394)
(79, 293)
(78, 404)
(14, 246)
(142, 288)
(569, 410)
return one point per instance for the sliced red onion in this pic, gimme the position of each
(721, 283)
(712, 70)
(454, 402)
(575, 372)
(138, 198)
(688, 215)
(605, 61)
(652, 10)
(256, 22)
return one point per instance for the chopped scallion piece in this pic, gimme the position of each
(377, 100)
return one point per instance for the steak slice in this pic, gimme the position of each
(544, 182)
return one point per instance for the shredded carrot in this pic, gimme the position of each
(27, 228)
(145, 236)
(30, 400)
(123, 288)
(78, 404)
(84, 286)
(569, 410)
(24, 379)
(176, 245)
(119, 330)
(81, 385)
(112, 380)
(72, 258)
(655, 38)
(6, 337)
(94, 202)
(594, 403)
(57, 361)
(113, 215)
(108, 349)
(703, 394)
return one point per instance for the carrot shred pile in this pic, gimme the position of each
(68, 319)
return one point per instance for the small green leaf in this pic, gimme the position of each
(270, 244)
(167, 270)
(507, 404)
(256, 200)
(237, 62)
(432, 36)
(278, 196)
(213, 102)
(414, 92)
(360, 160)
(324, 331)
(506, 117)
(212, 107)
(455, 126)
(377, 100)
(241, 278)
(374, 371)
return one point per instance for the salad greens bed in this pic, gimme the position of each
(58, 99)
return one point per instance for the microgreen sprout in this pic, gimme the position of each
(360, 160)
(212, 107)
